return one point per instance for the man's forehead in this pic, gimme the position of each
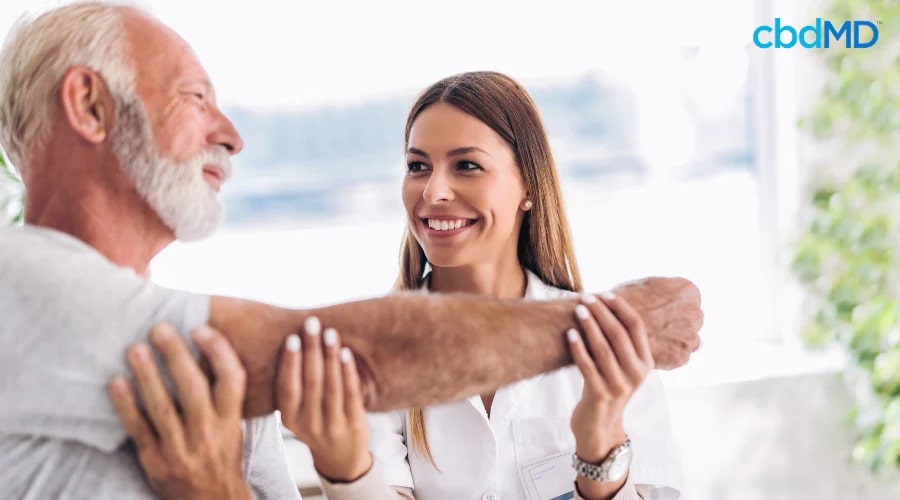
(158, 50)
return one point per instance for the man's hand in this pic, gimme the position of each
(192, 449)
(670, 308)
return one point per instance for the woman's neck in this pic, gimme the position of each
(494, 279)
(498, 281)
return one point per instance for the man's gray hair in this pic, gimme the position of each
(37, 55)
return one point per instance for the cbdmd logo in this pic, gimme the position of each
(856, 35)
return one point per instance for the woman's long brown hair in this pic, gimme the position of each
(545, 242)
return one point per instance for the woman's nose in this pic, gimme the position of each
(438, 189)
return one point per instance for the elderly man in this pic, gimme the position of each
(113, 124)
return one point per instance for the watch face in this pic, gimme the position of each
(619, 467)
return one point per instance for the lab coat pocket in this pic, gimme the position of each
(538, 437)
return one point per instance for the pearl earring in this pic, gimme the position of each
(528, 205)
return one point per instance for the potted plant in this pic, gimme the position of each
(848, 255)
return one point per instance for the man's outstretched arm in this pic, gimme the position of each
(69, 315)
(415, 350)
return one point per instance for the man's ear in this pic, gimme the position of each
(87, 105)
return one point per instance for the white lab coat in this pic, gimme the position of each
(481, 457)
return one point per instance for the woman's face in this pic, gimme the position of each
(463, 190)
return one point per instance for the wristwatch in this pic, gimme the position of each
(613, 468)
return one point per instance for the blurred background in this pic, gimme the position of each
(765, 176)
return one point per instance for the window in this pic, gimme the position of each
(650, 108)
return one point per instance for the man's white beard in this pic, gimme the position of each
(177, 192)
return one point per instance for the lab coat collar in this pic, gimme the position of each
(507, 398)
(534, 287)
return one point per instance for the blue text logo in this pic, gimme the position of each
(856, 34)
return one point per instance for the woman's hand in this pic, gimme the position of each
(321, 403)
(617, 364)
(193, 448)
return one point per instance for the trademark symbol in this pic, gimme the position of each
(879, 22)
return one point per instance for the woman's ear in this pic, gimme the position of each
(86, 104)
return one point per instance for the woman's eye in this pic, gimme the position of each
(414, 166)
(467, 165)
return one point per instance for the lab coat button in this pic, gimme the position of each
(489, 496)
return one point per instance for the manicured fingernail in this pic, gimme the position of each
(119, 384)
(572, 335)
(161, 333)
(202, 333)
(582, 312)
(141, 352)
(346, 355)
(293, 343)
(608, 295)
(588, 298)
(330, 337)
(312, 325)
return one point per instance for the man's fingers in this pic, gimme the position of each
(191, 384)
(289, 392)
(334, 379)
(230, 378)
(353, 400)
(157, 401)
(311, 406)
(672, 313)
(136, 426)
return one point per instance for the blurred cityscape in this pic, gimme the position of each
(321, 164)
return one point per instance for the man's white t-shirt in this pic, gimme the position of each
(67, 317)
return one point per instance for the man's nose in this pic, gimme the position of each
(226, 135)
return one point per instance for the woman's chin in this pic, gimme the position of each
(445, 259)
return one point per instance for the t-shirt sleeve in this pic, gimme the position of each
(388, 444)
(266, 468)
(67, 317)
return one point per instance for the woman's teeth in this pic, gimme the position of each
(447, 225)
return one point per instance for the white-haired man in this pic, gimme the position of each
(113, 124)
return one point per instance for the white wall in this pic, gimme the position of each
(782, 438)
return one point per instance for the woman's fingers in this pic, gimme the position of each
(334, 380)
(289, 381)
(617, 336)
(583, 361)
(604, 358)
(353, 400)
(633, 323)
(311, 404)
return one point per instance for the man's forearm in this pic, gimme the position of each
(418, 350)
(412, 350)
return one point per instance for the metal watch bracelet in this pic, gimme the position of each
(600, 472)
